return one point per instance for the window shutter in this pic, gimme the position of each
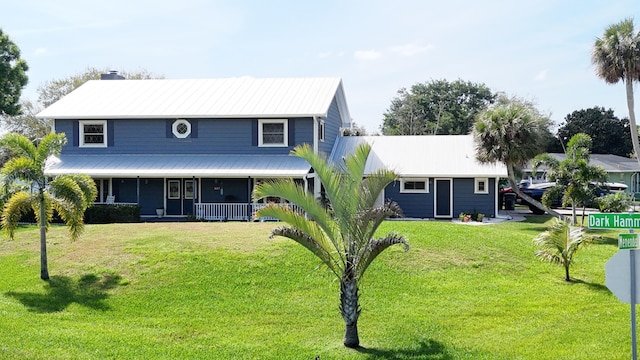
(254, 133)
(169, 133)
(110, 133)
(76, 133)
(292, 130)
(194, 129)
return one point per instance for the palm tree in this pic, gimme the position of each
(511, 132)
(616, 57)
(573, 176)
(559, 244)
(69, 195)
(341, 234)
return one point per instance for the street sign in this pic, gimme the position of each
(628, 241)
(614, 221)
(618, 275)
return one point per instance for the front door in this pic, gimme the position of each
(181, 195)
(443, 198)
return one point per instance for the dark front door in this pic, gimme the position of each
(443, 198)
(181, 195)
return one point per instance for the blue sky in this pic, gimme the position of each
(539, 50)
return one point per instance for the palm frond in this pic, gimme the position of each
(375, 248)
(318, 248)
(50, 145)
(18, 204)
(19, 145)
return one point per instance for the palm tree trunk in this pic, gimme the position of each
(350, 309)
(566, 273)
(514, 186)
(44, 268)
(632, 118)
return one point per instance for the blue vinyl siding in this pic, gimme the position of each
(212, 136)
(420, 205)
(151, 196)
(467, 202)
(125, 190)
(332, 125)
(413, 205)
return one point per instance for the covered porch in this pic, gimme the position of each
(206, 187)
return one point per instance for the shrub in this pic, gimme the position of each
(107, 214)
(616, 202)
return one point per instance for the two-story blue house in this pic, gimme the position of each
(185, 147)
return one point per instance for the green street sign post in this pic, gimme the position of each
(620, 261)
(614, 221)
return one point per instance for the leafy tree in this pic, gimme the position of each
(355, 130)
(573, 176)
(559, 244)
(436, 107)
(12, 76)
(69, 195)
(342, 234)
(511, 132)
(616, 56)
(53, 90)
(609, 134)
(27, 124)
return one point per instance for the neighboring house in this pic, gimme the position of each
(619, 170)
(439, 175)
(195, 147)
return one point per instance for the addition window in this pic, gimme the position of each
(481, 186)
(181, 128)
(414, 185)
(273, 132)
(93, 133)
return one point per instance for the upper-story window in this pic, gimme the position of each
(272, 132)
(321, 131)
(93, 133)
(181, 128)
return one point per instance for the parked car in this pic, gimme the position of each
(536, 191)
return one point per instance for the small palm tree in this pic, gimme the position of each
(616, 56)
(511, 132)
(559, 244)
(69, 195)
(342, 234)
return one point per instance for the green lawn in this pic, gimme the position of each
(224, 290)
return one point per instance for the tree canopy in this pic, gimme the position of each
(13, 76)
(436, 107)
(608, 133)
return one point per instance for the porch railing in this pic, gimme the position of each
(231, 211)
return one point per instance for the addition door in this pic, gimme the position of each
(443, 198)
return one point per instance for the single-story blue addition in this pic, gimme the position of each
(195, 147)
(439, 174)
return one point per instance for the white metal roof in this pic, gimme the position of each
(200, 98)
(421, 156)
(146, 166)
(611, 163)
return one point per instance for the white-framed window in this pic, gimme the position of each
(273, 132)
(481, 186)
(173, 188)
(93, 133)
(321, 131)
(414, 185)
(181, 128)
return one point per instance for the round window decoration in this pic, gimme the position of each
(181, 128)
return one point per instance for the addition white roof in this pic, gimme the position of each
(243, 97)
(421, 156)
(611, 163)
(147, 166)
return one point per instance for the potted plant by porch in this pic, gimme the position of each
(160, 212)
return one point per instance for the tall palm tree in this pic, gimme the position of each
(341, 234)
(559, 244)
(511, 132)
(69, 195)
(616, 56)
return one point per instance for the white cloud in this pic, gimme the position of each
(410, 49)
(541, 75)
(367, 55)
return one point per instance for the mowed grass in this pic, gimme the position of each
(227, 291)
